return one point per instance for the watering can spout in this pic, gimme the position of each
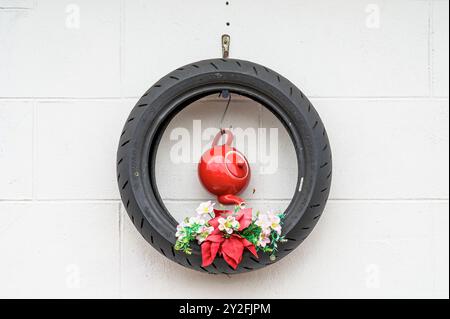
(230, 200)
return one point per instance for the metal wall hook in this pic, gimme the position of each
(226, 39)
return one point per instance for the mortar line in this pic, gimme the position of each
(366, 200)
(175, 200)
(430, 49)
(318, 97)
(65, 99)
(15, 8)
(60, 201)
(385, 98)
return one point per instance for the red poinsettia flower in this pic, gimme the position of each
(230, 246)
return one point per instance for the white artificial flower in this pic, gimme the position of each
(205, 209)
(269, 221)
(275, 221)
(196, 220)
(181, 232)
(203, 233)
(263, 221)
(264, 239)
(228, 225)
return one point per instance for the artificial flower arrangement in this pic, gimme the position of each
(228, 233)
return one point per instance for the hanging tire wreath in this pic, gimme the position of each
(149, 119)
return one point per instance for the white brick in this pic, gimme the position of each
(59, 250)
(16, 150)
(326, 49)
(440, 47)
(160, 37)
(76, 148)
(41, 56)
(359, 249)
(388, 149)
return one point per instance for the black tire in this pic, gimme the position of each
(151, 115)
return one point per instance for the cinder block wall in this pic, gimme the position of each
(377, 72)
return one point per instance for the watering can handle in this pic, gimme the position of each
(219, 136)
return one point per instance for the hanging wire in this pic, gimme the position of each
(224, 94)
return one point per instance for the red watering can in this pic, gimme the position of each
(224, 171)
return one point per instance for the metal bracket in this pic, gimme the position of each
(226, 39)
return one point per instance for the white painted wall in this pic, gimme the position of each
(376, 70)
